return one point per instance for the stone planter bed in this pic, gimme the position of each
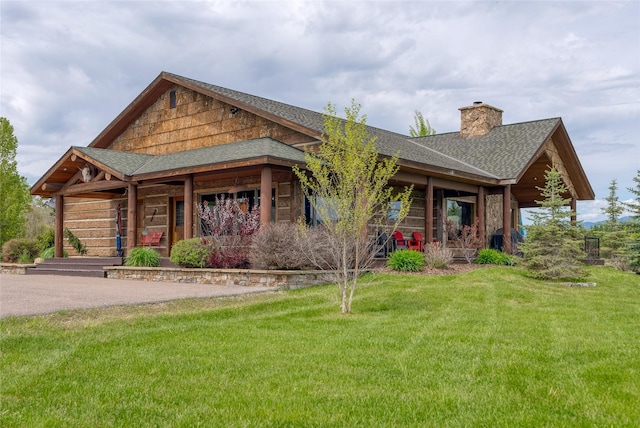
(15, 268)
(282, 279)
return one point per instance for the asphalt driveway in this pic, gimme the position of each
(42, 294)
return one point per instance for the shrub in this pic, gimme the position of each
(406, 261)
(490, 256)
(143, 257)
(229, 224)
(20, 250)
(437, 255)
(634, 254)
(467, 238)
(318, 248)
(46, 240)
(192, 253)
(234, 256)
(275, 246)
(49, 253)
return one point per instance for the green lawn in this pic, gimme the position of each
(486, 348)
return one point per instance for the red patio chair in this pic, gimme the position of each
(399, 243)
(151, 239)
(417, 243)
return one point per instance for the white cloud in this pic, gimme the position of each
(69, 68)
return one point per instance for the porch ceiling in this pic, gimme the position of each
(526, 191)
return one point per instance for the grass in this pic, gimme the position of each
(486, 348)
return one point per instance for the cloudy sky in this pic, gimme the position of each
(69, 68)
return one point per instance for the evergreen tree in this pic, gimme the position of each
(14, 191)
(634, 228)
(553, 249)
(614, 208)
(634, 207)
(634, 253)
(612, 235)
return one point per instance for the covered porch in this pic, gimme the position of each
(159, 193)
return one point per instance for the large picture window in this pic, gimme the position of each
(247, 200)
(313, 216)
(460, 213)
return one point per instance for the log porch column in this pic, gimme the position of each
(59, 228)
(265, 195)
(574, 210)
(506, 219)
(132, 217)
(188, 207)
(428, 211)
(482, 232)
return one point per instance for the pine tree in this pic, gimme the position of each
(634, 207)
(14, 192)
(614, 208)
(634, 228)
(613, 236)
(553, 249)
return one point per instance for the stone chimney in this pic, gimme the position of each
(479, 119)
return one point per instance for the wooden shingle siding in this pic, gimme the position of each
(198, 121)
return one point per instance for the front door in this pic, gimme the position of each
(177, 226)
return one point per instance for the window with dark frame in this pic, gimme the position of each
(460, 213)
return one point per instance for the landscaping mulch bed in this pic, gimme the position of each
(452, 269)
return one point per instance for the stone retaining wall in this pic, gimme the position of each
(285, 280)
(15, 268)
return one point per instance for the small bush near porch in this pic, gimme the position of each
(492, 347)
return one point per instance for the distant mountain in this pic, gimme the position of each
(591, 224)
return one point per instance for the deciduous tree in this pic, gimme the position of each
(423, 127)
(347, 183)
(14, 191)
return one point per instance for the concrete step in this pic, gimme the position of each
(84, 261)
(67, 272)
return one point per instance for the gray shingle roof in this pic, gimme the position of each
(133, 164)
(388, 143)
(124, 162)
(504, 152)
(298, 115)
(501, 154)
(243, 150)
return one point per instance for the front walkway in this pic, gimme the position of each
(42, 294)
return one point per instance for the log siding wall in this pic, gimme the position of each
(200, 121)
